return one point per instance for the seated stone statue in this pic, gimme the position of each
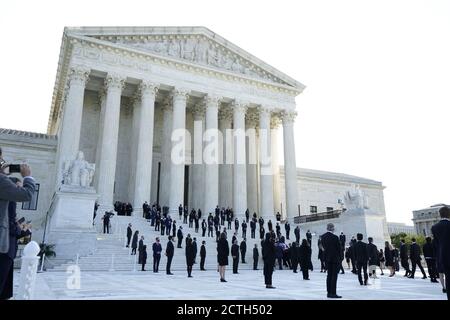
(355, 198)
(78, 172)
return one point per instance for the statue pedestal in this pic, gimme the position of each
(70, 227)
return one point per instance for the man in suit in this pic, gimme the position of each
(332, 256)
(309, 237)
(243, 249)
(297, 234)
(342, 239)
(129, 234)
(16, 230)
(156, 255)
(204, 226)
(244, 229)
(287, 228)
(169, 254)
(372, 252)
(202, 256)
(180, 211)
(268, 255)
(255, 257)
(194, 248)
(252, 229)
(414, 255)
(235, 255)
(441, 235)
(430, 258)
(361, 257)
(180, 236)
(404, 257)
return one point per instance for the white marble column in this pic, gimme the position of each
(265, 160)
(136, 105)
(239, 169)
(274, 138)
(226, 167)
(165, 153)
(178, 152)
(290, 167)
(69, 138)
(197, 167)
(211, 154)
(98, 149)
(252, 160)
(144, 151)
(114, 85)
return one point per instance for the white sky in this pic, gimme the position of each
(377, 75)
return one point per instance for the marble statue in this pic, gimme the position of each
(355, 198)
(78, 172)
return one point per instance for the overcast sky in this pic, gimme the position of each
(377, 76)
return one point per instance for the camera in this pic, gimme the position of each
(13, 168)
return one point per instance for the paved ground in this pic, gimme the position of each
(246, 285)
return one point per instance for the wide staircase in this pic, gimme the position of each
(111, 253)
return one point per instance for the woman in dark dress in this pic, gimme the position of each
(134, 242)
(381, 259)
(305, 258)
(389, 258)
(190, 256)
(143, 257)
(223, 251)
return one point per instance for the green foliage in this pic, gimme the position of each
(395, 239)
(47, 249)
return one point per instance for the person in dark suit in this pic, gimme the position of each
(269, 225)
(309, 237)
(244, 229)
(243, 249)
(414, 255)
(294, 255)
(361, 258)
(255, 257)
(287, 228)
(304, 256)
(143, 257)
(247, 215)
(174, 228)
(169, 254)
(404, 259)
(202, 256)
(204, 226)
(262, 231)
(430, 258)
(389, 259)
(268, 255)
(180, 211)
(129, 234)
(372, 252)
(180, 236)
(441, 235)
(17, 230)
(134, 242)
(235, 256)
(156, 255)
(297, 234)
(190, 256)
(140, 245)
(252, 229)
(106, 220)
(342, 239)
(195, 248)
(223, 251)
(332, 255)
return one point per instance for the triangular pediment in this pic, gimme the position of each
(197, 45)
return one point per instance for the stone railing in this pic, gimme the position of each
(28, 271)
(318, 216)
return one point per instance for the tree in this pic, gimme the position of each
(395, 239)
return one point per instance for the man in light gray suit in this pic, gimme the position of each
(9, 191)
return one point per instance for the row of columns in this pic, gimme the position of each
(233, 178)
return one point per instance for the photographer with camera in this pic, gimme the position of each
(11, 192)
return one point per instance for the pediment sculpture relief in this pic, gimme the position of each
(198, 50)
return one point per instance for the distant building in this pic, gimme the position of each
(398, 227)
(424, 219)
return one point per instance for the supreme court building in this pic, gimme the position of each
(119, 94)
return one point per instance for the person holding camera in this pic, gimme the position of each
(11, 192)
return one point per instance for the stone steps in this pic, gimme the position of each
(114, 244)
